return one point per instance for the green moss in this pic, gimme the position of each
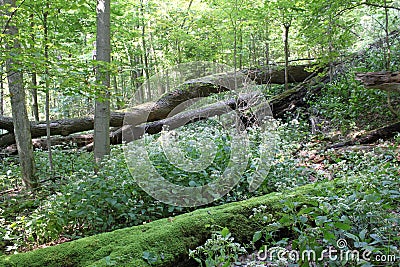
(169, 239)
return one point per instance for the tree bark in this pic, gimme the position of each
(18, 106)
(1, 91)
(286, 41)
(385, 80)
(383, 133)
(34, 91)
(145, 54)
(102, 105)
(47, 82)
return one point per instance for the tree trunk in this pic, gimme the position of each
(383, 133)
(18, 106)
(296, 74)
(286, 41)
(384, 80)
(387, 52)
(1, 91)
(47, 82)
(145, 55)
(102, 106)
(34, 92)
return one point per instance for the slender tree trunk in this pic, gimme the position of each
(388, 58)
(18, 106)
(330, 33)
(286, 41)
(34, 93)
(116, 93)
(35, 105)
(240, 49)
(1, 91)
(267, 54)
(145, 54)
(102, 106)
(387, 41)
(139, 84)
(47, 82)
(254, 49)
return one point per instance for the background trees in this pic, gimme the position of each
(58, 45)
(148, 36)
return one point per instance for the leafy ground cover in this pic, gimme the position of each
(358, 209)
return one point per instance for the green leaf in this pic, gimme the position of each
(329, 235)
(305, 210)
(342, 226)
(225, 232)
(257, 236)
(320, 220)
(354, 237)
(362, 234)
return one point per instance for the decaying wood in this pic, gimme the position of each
(385, 80)
(71, 141)
(153, 111)
(129, 132)
(297, 73)
(384, 133)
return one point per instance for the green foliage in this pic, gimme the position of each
(219, 250)
(347, 106)
(358, 206)
(349, 215)
(86, 203)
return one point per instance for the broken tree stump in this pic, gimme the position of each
(384, 80)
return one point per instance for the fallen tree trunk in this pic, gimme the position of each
(128, 133)
(153, 111)
(386, 80)
(280, 105)
(137, 131)
(182, 233)
(297, 73)
(385, 132)
(71, 141)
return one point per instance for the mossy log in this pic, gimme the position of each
(170, 239)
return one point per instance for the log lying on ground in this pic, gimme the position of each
(170, 239)
(160, 109)
(386, 80)
(297, 73)
(130, 132)
(383, 133)
(70, 141)
(280, 105)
